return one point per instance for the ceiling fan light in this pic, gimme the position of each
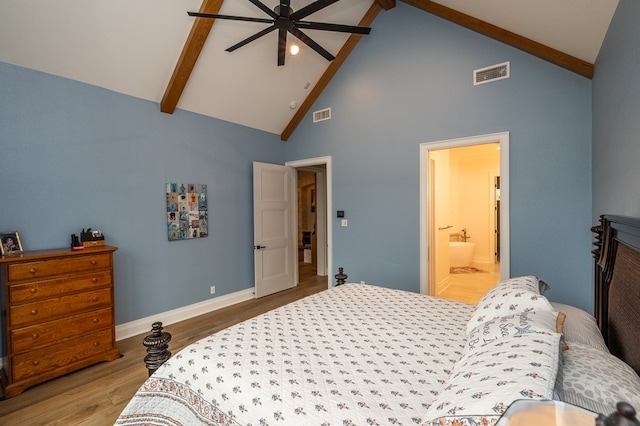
(294, 49)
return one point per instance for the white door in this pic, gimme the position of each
(273, 228)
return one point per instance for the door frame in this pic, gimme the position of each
(426, 192)
(311, 162)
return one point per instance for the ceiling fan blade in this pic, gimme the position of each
(282, 45)
(252, 38)
(312, 44)
(311, 8)
(264, 8)
(306, 25)
(229, 17)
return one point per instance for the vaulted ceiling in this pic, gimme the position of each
(153, 50)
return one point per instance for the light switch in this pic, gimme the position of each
(343, 222)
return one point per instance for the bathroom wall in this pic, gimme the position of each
(472, 172)
(440, 181)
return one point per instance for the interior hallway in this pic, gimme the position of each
(307, 275)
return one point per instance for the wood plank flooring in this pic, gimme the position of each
(469, 288)
(96, 395)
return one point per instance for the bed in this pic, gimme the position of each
(359, 354)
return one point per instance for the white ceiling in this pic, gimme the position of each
(132, 47)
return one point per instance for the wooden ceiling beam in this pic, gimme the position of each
(547, 53)
(387, 4)
(189, 56)
(331, 70)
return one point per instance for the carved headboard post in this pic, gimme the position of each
(341, 277)
(157, 344)
(598, 302)
(605, 256)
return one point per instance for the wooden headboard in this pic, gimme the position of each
(617, 285)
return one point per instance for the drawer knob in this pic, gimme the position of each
(93, 262)
(36, 362)
(34, 290)
(34, 312)
(94, 280)
(34, 336)
(96, 344)
(32, 270)
(94, 299)
(95, 320)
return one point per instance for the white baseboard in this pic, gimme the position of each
(143, 325)
(443, 286)
(483, 260)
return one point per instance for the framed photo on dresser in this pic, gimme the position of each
(10, 242)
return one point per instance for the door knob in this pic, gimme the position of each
(258, 247)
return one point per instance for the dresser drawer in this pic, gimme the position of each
(61, 354)
(57, 307)
(36, 336)
(52, 267)
(36, 290)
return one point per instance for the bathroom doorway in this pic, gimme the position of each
(464, 216)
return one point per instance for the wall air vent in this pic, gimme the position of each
(492, 73)
(321, 115)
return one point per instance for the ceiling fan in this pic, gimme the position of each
(285, 20)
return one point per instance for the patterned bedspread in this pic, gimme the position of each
(352, 355)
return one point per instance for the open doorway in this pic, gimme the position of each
(461, 207)
(309, 182)
(314, 231)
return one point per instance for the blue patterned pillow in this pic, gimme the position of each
(487, 379)
(520, 294)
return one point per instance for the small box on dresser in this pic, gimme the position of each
(57, 314)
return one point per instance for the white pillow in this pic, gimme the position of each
(486, 380)
(591, 374)
(580, 327)
(512, 325)
(511, 296)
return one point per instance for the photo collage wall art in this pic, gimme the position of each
(187, 213)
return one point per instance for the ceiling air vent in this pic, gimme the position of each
(492, 73)
(321, 115)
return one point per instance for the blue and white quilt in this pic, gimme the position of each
(352, 355)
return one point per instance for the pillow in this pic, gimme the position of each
(512, 325)
(593, 378)
(580, 327)
(511, 296)
(487, 379)
(543, 287)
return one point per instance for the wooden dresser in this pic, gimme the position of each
(57, 314)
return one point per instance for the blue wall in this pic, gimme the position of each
(74, 156)
(616, 116)
(410, 82)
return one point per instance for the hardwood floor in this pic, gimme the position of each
(96, 395)
(469, 288)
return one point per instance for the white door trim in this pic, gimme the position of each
(318, 161)
(503, 139)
